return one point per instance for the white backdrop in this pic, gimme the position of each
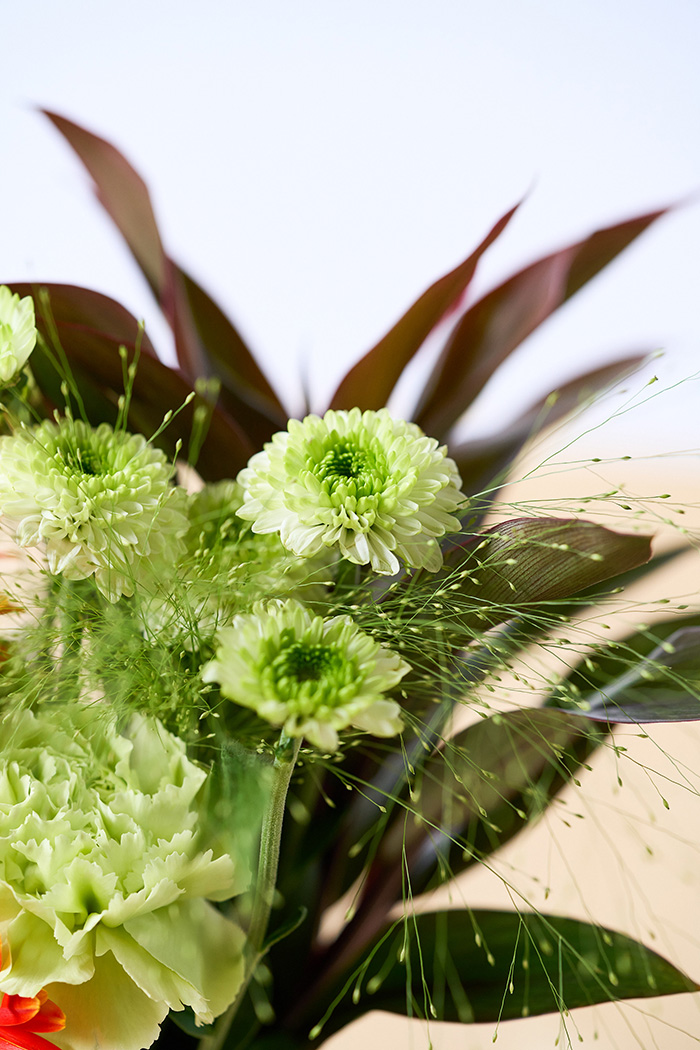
(317, 164)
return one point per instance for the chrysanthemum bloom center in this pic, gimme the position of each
(344, 462)
(85, 461)
(302, 662)
(308, 674)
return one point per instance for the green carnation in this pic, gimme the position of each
(17, 333)
(312, 676)
(101, 501)
(374, 488)
(104, 880)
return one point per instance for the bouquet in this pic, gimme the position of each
(249, 673)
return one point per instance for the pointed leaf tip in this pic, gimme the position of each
(499, 322)
(369, 383)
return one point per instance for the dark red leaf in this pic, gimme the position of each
(491, 329)
(89, 328)
(531, 560)
(206, 341)
(369, 383)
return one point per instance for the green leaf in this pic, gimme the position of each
(499, 322)
(369, 383)
(490, 966)
(526, 561)
(619, 684)
(233, 802)
(205, 339)
(288, 927)
(84, 330)
(484, 463)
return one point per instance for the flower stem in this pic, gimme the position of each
(286, 754)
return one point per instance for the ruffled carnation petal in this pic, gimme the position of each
(105, 877)
(109, 1011)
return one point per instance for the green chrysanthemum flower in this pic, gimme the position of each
(225, 568)
(371, 486)
(100, 500)
(312, 676)
(105, 881)
(17, 333)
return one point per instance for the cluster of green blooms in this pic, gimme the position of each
(108, 860)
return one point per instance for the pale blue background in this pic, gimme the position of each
(317, 164)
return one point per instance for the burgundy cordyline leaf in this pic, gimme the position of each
(499, 322)
(527, 560)
(205, 340)
(90, 328)
(369, 383)
(661, 687)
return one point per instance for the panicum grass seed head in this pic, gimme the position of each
(224, 569)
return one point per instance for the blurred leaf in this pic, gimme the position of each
(491, 329)
(233, 802)
(87, 319)
(205, 340)
(484, 462)
(185, 1021)
(288, 927)
(530, 560)
(244, 384)
(661, 685)
(465, 800)
(89, 328)
(482, 788)
(369, 383)
(490, 966)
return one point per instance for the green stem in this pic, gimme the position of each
(286, 755)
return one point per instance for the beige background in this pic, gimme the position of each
(605, 852)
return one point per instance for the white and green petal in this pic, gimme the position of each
(100, 500)
(374, 488)
(17, 333)
(313, 677)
